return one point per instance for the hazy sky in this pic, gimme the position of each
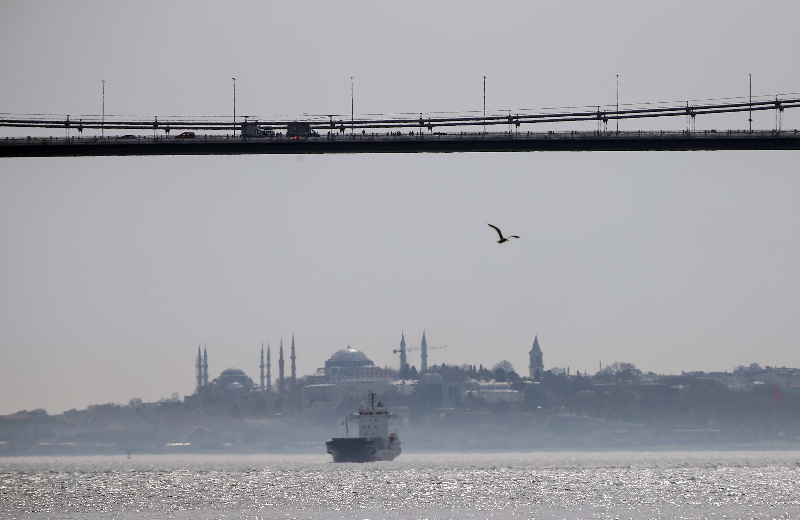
(113, 269)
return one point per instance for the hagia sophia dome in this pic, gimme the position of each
(347, 362)
(349, 357)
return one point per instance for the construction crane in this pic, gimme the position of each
(403, 351)
(395, 351)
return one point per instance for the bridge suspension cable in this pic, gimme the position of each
(407, 121)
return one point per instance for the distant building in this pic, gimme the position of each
(348, 362)
(348, 373)
(433, 392)
(536, 366)
(280, 369)
(293, 357)
(357, 387)
(494, 392)
(403, 359)
(405, 388)
(201, 370)
(430, 390)
(424, 356)
(233, 382)
(268, 389)
(261, 366)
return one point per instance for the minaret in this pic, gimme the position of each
(205, 366)
(424, 348)
(280, 370)
(536, 366)
(403, 360)
(294, 367)
(269, 373)
(261, 366)
(199, 370)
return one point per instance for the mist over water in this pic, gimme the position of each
(512, 485)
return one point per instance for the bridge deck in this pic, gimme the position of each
(381, 143)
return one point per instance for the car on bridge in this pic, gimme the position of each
(185, 135)
(296, 129)
(253, 129)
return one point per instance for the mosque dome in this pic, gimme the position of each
(349, 357)
(234, 379)
(431, 379)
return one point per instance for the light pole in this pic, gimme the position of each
(484, 105)
(103, 118)
(617, 103)
(751, 102)
(234, 107)
(352, 106)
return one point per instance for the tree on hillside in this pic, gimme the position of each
(484, 374)
(450, 373)
(505, 365)
(619, 372)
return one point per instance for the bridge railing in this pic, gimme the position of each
(405, 136)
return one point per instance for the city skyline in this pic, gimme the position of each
(535, 360)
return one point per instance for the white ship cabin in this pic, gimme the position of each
(373, 421)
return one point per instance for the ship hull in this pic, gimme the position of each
(355, 449)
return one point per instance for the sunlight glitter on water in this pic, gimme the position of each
(498, 486)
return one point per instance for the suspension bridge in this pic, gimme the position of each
(470, 132)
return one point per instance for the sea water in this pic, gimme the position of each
(685, 485)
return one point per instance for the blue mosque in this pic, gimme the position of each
(234, 382)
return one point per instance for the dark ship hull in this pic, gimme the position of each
(356, 449)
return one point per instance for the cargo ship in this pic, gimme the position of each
(374, 442)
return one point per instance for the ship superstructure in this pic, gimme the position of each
(375, 440)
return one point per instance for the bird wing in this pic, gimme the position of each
(496, 229)
(513, 236)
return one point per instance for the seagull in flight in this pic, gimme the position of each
(502, 238)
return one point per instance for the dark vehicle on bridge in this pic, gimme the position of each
(296, 130)
(254, 129)
(185, 135)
